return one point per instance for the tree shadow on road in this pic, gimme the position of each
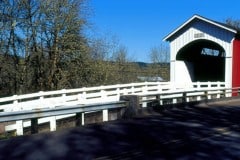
(182, 132)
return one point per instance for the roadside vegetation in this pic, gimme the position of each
(43, 46)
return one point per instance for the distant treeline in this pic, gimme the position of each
(89, 73)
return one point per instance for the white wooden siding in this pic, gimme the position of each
(224, 38)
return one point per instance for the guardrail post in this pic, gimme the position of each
(105, 115)
(144, 90)
(218, 87)
(187, 98)
(34, 125)
(174, 100)
(158, 98)
(224, 93)
(19, 124)
(53, 123)
(83, 119)
(19, 127)
(199, 98)
(132, 106)
(206, 94)
(209, 95)
(144, 104)
(79, 119)
(184, 97)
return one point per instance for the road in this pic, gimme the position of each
(194, 131)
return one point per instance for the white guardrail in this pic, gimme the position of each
(92, 95)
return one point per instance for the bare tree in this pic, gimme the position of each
(10, 42)
(159, 54)
(159, 57)
(233, 23)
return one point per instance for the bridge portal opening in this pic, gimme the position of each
(205, 60)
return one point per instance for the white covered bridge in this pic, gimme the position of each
(205, 64)
(205, 50)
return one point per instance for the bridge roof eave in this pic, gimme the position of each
(195, 17)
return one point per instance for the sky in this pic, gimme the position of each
(142, 24)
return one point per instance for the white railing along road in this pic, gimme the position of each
(83, 96)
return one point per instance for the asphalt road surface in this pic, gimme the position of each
(206, 131)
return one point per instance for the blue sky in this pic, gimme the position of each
(142, 24)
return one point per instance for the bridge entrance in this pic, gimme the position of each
(204, 50)
(204, 60)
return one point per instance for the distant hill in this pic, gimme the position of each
(145, 65)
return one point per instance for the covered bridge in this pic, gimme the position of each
(204, 50)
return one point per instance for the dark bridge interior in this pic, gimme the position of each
(204, 59)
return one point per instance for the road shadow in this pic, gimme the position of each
(183, 132)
